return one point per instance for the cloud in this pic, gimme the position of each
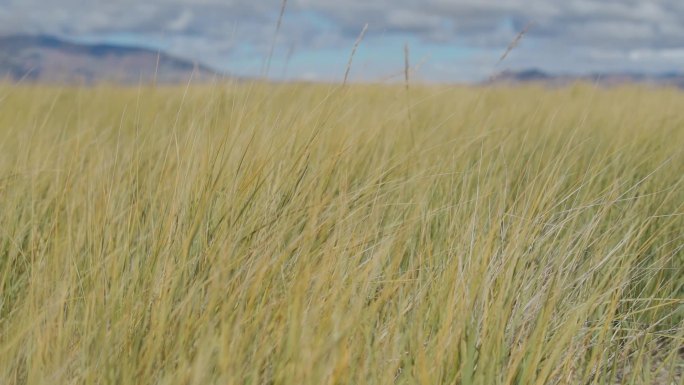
(582, 33)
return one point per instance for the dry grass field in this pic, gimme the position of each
(247, 233)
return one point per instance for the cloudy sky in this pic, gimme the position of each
(449, 40)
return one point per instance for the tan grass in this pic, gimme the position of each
(289, 234)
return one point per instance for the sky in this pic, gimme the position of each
(447, 40)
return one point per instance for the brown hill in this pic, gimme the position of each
(53, 60)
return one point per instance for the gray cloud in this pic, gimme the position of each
(584, 33)
(656, 23)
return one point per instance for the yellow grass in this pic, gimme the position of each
(313, 234)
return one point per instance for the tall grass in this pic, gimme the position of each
(306, 234)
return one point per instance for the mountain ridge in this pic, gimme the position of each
(50, 59)
(535, 75)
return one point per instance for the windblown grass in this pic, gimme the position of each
(307, 234)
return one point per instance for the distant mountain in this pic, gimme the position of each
(537, 76)
(53, 60)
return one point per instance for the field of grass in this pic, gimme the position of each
(316, 234)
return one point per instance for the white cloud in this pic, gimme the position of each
(631, 29)
(649, 54)
(182, 22)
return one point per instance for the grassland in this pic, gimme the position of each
(315, 234)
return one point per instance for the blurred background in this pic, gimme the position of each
(447, 40)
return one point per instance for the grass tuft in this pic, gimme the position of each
(292, 234)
